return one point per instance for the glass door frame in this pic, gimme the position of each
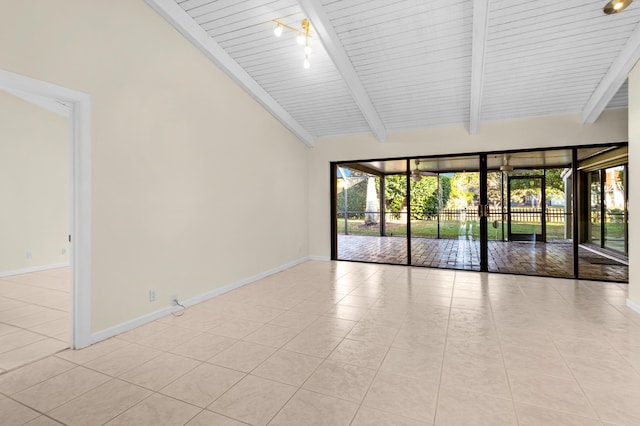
(602, 206)
(542, 237)
(483, 214)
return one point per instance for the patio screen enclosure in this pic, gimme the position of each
(510, 212)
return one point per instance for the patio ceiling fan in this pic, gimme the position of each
(416, 173)
(507, 168)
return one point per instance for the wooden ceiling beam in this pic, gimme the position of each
(182, 22)
(334, 48)
(613, 79)
(478, 50)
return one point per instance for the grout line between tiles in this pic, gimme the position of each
(577, 381)
(444, 350)
(504, 363)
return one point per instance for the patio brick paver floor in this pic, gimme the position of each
(543, 259)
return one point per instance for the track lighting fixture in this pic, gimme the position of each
(615, 6)
(302, 39)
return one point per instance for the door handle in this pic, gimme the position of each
(483, 210)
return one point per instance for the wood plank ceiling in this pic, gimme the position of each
(413, 59)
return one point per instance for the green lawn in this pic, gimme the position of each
(612, 231)
(448, 229)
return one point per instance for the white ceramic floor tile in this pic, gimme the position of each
(29, 375)
(60, 389)
(101, 404)
(203, 385)
(414, 346)
(157, 410)
(312, 409)
(253, 400)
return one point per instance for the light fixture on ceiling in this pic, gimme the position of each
(302, 39)
(615, 6)
(506, 167)
(416, 174)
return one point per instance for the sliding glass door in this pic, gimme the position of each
(445, 227)
(615, 208)
(525, 211)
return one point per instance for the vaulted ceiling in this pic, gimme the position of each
(385, 65)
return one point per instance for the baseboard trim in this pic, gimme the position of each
(136, 322)
(633, 305)
(33, 269)
(323, 258)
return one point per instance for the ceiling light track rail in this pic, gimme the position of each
(302, 32)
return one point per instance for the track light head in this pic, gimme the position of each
(302, 38)
(615, 6)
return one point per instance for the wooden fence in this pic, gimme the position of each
(518, 214)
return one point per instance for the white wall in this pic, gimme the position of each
(511, 134)
(34, 186)
(634, 205)
(194, 185)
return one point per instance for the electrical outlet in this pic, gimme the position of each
(153, 295)
(63, 251)
(29, 255)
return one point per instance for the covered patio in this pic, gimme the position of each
(527, 258)
(558, 212)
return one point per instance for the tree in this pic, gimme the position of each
(424, 195)
(395, 193)
(372, 204)
(523, 189)
(356, 196)
(465, 190)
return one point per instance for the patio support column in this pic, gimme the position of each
(484, 203)
(408, 177)
(502, 216)
(574, 189)
(568, 197)
(383, 216)
(333, 187)
(439, 202)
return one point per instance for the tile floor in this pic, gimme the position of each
(34, 316)
(337, 343)
(554, 259)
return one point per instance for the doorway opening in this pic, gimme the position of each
(79, 107)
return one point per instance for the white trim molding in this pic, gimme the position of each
(613, 79)
(182, 22)
(334, 48)
(322, 258)
(53, 105)
(80, 221)
(130, 325)
(33, 269)
(633, 305)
